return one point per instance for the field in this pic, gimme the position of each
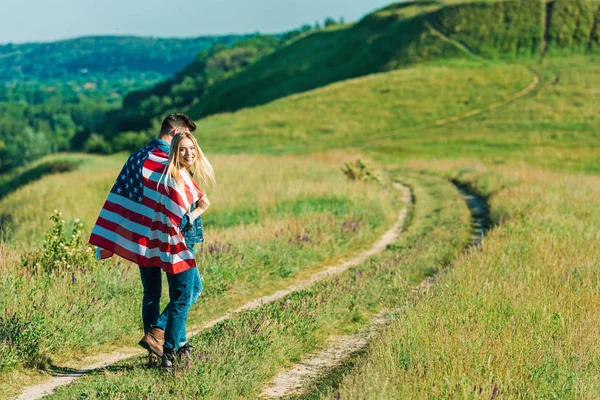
(513, 317)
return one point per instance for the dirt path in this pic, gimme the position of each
(373, 139)
(97, 362)
(298, 379)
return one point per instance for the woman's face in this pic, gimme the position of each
(187, 153)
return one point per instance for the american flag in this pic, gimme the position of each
(140, 219)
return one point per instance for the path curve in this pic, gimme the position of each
(444, 121)
(43, 389)
(297, 380)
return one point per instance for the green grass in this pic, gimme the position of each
(235, 358)
(391, 104)
(555, 128)
(308, 216)
(515, 320)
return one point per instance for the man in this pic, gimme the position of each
(128, 226)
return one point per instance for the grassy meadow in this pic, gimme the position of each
(515, 320)
(271, 220)
(236, 357)
(515, 317)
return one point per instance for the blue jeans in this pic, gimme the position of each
(179, 333)
(184, 290)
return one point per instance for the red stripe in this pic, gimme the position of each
(188, 192)
(164, 247)
(159, 153)
(130, 215)
(155, 166)
(141, 260)
(105, 253)
(159, 207)
(172, 195)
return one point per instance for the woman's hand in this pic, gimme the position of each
(201, 206)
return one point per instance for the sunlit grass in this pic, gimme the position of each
(235, 358)
(516, 319)
(307, 214)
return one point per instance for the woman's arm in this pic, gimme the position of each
(201, 206)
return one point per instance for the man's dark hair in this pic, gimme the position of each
(177, 121)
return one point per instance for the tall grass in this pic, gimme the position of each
(309, 214)
(517, 319)
(342, 114)
(235, 358)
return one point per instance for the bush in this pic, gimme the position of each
(507, 29)
(60, 251)
(21, 337)
(130, 141)
(571, 26)
(97, 144)
(359, 171)
(22, 149)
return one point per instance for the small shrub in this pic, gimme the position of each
(21, 341)
(130, 141)
(60, 251)
(97, 144)
(359, 171)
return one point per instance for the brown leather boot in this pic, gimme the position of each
(153, 341)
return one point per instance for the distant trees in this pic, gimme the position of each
(112, 57)
(329, 22)
(22, 148)
(141, 107)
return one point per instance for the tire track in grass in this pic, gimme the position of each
(297, 380)
(534, 84)
(96, 363)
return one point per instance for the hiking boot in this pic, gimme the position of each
(184, 351)
(151, 360)
(168, 360)
(153, 341)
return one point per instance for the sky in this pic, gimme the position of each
(49, 20)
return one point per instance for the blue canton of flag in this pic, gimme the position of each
(130, 184)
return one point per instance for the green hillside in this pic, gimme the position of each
(94, 57)
(396, 36)
(407, 33)
(498, 98)
(141, 107)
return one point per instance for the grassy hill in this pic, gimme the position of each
(396, 36)
(407, 33)
(498, 98)
(97, 57)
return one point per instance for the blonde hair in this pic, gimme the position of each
(201, 169)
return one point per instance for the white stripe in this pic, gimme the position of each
(155, 157)
(189, 182)
(171, 205)
(142, 250)
(134, 227)
(136, 207)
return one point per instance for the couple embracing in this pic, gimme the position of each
(152, 217)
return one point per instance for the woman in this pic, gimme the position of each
(184, 287)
